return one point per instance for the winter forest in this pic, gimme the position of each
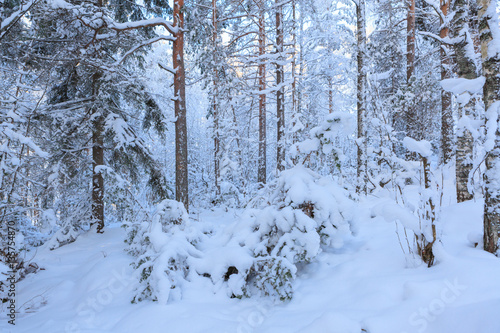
(321, 166)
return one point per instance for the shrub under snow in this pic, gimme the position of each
(163, 248)
(259, 254)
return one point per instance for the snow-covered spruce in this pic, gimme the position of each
(162, 249)
(282, 229)
(260, 253)
(298, 214)
(319, 151)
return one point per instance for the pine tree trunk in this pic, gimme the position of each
(294, 62)
(488, 21)
(295, 94)
(466, 69)
(330, 95)
(262, 173)
(215, 113)
(361, 98)
(410, 117)
(181, 152)
(280, 93)
(410, 40)
(97, 160)
(446, 111)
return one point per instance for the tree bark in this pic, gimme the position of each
(425, 246)
(261, 172)
(97, 160)
(330, 95)
(446, 111)
(488, 21)
(466, 68)
(215, 112)
(294, 62)
(410, 118)
(181, 152)
(295, 102)
(280, 93)
(410, 40)
(361, 98)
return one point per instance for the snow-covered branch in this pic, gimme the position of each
(9, 22)
(141, 45)
(155, 22)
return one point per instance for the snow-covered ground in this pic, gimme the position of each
(367, 286)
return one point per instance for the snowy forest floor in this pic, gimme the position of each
(367, 286)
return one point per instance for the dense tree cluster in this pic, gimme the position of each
(108, 108)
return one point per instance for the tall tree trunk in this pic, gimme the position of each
(301, 69)
(467, 70)
(294, 61)
(410, 40)
(261, 174)
(181, 152)
(410, 118)
(488, 22)
(215, 112)
(280, 93)
(330, 95)
(446, 111)
(97, 161)
(361, 98)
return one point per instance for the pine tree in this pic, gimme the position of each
(262, 161)
(410, 117)
(181, 153)
(91, 89)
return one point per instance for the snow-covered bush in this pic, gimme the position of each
(260, 253)
(284, 227)
(321, 150)
(303, 212)
(162, 249)
(418, 221)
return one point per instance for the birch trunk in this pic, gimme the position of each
(466, 68)
(280, 93)
(261, 172)
(361, 98)
(446, 111)
(488, 29)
